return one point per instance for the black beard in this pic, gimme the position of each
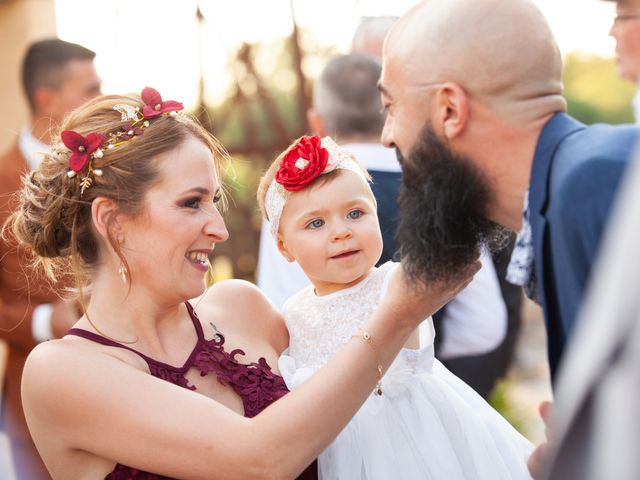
(443, 204)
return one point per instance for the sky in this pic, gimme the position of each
(158, 42)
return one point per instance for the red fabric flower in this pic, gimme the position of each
(154, 106)
(303, 162)
(82, 147)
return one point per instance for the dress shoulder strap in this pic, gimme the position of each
(94, 337)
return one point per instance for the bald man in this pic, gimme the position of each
(473, 92)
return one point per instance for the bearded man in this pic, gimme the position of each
(473, 92)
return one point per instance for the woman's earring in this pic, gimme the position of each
(122, 271)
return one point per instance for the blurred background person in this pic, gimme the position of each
(57, 77)
(626, 32)
(369, 35)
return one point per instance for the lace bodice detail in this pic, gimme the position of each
(320, 325)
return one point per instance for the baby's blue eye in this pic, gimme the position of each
(354, 214)
(317, 223)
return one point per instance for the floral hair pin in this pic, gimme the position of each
(84, 150)
(309, 158)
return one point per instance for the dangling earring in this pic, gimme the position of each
(122, 271)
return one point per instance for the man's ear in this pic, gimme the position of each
(44, 100)
(316, 123)
(104, 216)
(452, 109)
(282, 248)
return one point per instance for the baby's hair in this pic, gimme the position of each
(269, 175)
(53, 221)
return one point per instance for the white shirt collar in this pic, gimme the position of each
(374, 156)
(31, 148)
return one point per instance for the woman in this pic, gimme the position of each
(130, 202)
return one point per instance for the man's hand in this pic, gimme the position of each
(63, 316)
(538, 463)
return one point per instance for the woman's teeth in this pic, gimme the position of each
(199, 257)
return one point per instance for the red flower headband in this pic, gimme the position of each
(302, 163)
(309, 158)
(86, 149)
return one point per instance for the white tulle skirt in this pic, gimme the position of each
(427, 425)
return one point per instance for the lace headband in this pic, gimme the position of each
(84, 150)
(304, 162)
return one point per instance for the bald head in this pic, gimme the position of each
(501, 52)
(627, 3)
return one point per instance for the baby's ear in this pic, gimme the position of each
(282, 248)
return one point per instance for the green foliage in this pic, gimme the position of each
(501, 402)
(595, 92)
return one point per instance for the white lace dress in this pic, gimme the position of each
(428, 424)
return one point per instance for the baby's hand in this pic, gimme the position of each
(419, 300)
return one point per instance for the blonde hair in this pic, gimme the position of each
(54, 221)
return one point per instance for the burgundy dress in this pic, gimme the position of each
(255, 383)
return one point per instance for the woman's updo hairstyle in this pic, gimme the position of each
(53, 218)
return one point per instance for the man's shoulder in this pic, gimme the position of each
(595, 156)
(12, 167)
(606, 143)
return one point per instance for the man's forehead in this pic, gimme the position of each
(628, 3)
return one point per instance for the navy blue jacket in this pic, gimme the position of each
(386, 188)
(574, 179)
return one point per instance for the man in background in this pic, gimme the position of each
(626, 31)
(57, 77)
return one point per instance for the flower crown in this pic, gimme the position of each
(85, 150)
(309, 158)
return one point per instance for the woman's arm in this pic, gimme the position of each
(94, 402)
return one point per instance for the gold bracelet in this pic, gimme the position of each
(366, 336)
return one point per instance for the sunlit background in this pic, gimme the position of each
(162, 43)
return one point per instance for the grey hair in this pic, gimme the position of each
(370, 34)
(346, 96)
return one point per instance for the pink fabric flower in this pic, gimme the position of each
(154, 106)
(81, 147)
(302, 163)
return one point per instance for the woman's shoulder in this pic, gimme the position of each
(59, 360)
(56, 367)
(246, 305)
(227, 292)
